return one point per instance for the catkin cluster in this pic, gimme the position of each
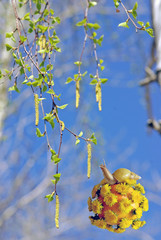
(117, 207)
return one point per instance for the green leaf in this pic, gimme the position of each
(26, 17)
(44, 88)
(77, 141)
(49, 67)
(25, 81)
(93, 82)
(51, 91)
(8, 47)
(91, 76)
(9, 35)
(63, 106)
(116, 2)
(134, 13)
(49, 117)
(38, 133)
(38, 6)
(135, 6)
(49, 197)
(104, 80)
(141, 23)
(55, 159)
(81, 23)
(69, 79)
(80, 134)
(42, 28)
(93, 25)
(101, 61)
(147, 25)
(84, 73)
(46, 12)
(23, 38)
(123, 24)
(150, 32)
(53, 181)
(52, 11)
(92, 4)
(57, 177)
(13, 88)
(93, 139)
(78, 63)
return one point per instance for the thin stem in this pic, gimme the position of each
(129, 18)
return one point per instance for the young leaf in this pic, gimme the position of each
(147, 25)
(63, 106)
(80, 134)
(57, 176)
(93, 139)
(123, 24)
(51, 91)
(8, 47)
(13, 88)
(134, 13)
(141, 23)
(93, 82)
(49, 197)
(104, 80)
(116, 2)
(81, 23)
(38, 133)
(93, 25)
(92, 4)
(69, 79)
(55, 159)
(77, 141)
(150, 32)
(78, 63)
(26, 17)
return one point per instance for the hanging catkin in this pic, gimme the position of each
(43, 44)
(89, 152)
(96, 91)
(99, 97)
(77, 94)
(57, 212)
(36, 99)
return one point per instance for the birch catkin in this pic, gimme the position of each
(77, 94)
(36, 99)
(99, 97)
(89, 152)
(43, 44)
(96, 90)
(57, 212)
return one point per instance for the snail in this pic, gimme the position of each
(120, 175)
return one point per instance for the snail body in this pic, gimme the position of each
(120, 175)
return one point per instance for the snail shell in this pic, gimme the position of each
(123, 174)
